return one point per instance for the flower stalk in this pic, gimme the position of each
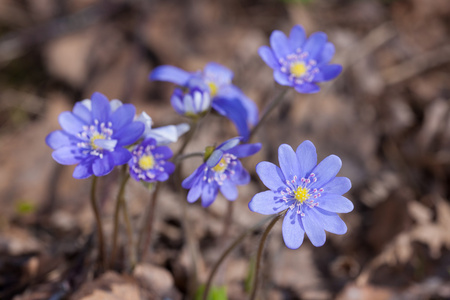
(101, 244)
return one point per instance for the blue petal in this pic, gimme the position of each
(209, 194)
(240, 176)
(195, 191)
(267, 203)
(233, 92)
(245, 150)
(327, 54)
(163, 152)
(83, 169)
(100, 107)
(122, 116)
(337, 185)
(57, 139)
(228, 144)
(307, 88)
(222, 74)
(292, 230)
(229, 190)
(177, 102)
(307, 157)
(190, 180)
(68, 155)
(288, 162)
(169, 167)
(103, 166)
(281, 78)
(331, 222)
(71, 123)
(271, 175)
(297, 38)
(129, 134)
(170, 74)
(315, 44)
(313, 229)
(234, 111)
(326, 170)
(279, 44)
(327, 72)
(335, 203)
(121, 156)
(268, 57)
(215, 158)
(82, 112)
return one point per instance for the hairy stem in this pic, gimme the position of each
(131, 247)
(147, 226)
(259, 256)
(101, 244)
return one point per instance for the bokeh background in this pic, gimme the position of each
(387, 116)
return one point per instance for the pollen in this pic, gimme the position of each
(146, 162)
(221, 166)
(298, 68)
(213, 88)
(96, 136)
(302, 194)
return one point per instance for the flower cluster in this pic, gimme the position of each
(310, 194)
(221, 171)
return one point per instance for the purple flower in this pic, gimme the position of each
(300, 62)
(150, 162)
(227, 99)
(194, 102)
(221, 171)
(93, 136)
(311, 194)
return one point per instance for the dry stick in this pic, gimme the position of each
(259, 256)
(148, 223)
(227, 251)
(101, 244)
(267, 111)
(119, 200)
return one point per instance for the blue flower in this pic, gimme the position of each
(93, 136)
(310, 193)
(150, 163)
(227, 99)
(195, 102)
(300, 62)
(221, 171)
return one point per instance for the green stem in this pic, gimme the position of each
(259, 256)
(274, 103)
(227, 251)
(119, 203)
(147, 226)
(101, 244)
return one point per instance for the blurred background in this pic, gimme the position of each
(387, 116)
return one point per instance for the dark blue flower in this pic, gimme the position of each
(311, 194)
(300, 62)
(195, 101)
(222, 171)
(227, 99)
(93, 136)
(150, 163)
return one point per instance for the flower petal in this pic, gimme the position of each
(71, 123)
(293, 233)
(271, 175)
(68, 155)
(122, 116)
(120, 156)
(297, 38)
(337, 185)
(326, 170)
(57, 139)
(129, 134)
(195, 191)
(288, 162)
(170, 74)
(100, 107)
(83, 169)
(267, 203)
(103, 166)
(215, 158)
(330, 222)
(335, 203)
(191, 179)
(314, 45)
(327, 72)
(229, 190)
(268, 57)
(307, 88)
(307, 157)
(279, 44)
(81, 111)
(327, 53)
(221, 74)
(281, 78)
(234, 111)
(313, 229)
(209, 194)
(245, 150)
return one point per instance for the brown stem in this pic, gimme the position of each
(101, 244)
(147, 227)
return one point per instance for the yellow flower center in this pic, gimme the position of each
(301, 194)
(146, 162)
(221, 166)
(212, 89)
(97, 136)
(297, 69)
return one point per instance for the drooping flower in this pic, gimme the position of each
(298, 61)
(311, 194)
(195, 101)
(222, 171)
(94, 135)
(226, 99)
(150, 163)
